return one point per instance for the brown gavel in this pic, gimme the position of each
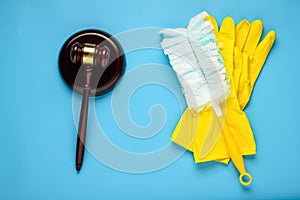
(90, 56)
(91, 62)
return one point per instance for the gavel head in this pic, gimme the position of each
(92, 50)
(90, 55)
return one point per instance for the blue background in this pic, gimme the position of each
(37, 145)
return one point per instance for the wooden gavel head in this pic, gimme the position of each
(93, 50)
(90, 54)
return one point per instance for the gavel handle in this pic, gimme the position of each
(83, 119)
(82, 128)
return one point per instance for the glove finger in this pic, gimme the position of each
(241, 33)
(213, 22)
(227, 29)
(237, 67)
(260, 56)
(253, 37)
(243, 93)
(226, 40)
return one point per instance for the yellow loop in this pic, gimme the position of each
(243, 182)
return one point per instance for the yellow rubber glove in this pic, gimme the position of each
(253, 57)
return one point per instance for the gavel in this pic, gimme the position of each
(90, 56)
(91, 62)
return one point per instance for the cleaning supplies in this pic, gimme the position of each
(238, 46)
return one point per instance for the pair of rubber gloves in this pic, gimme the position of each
(244, 56)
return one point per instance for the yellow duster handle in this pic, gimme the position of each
(236, 155)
